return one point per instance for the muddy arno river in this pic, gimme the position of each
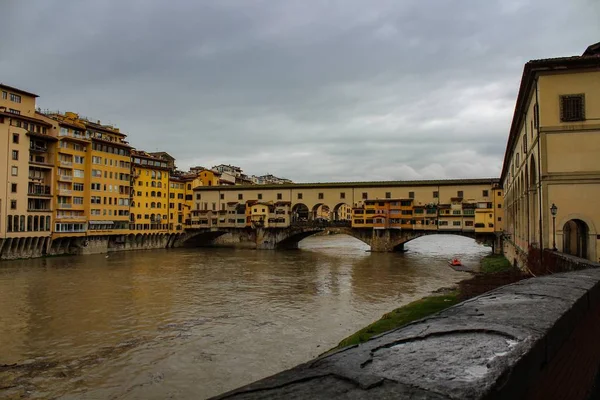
(193, 323)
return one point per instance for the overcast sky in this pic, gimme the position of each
(311, 90)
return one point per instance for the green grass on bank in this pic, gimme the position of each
(495, 263)
(402, 316)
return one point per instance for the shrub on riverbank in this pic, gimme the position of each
(495, 263)
(402, 316)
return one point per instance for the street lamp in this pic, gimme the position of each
(553, 210)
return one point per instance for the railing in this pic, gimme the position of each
(65, 191)
(77, 217)
(65, 178)
(39, 209)
(64, 205)
(66, 163)
(39, 190)
(35, 147)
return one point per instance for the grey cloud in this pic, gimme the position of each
(310, 90)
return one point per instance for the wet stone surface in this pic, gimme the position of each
(494, 345)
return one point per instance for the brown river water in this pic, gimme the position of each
(193, 323)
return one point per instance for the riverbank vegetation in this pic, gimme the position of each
(495, 271)
(402, 316)
(495, 263)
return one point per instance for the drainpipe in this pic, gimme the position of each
(539, 169)
(527, 178)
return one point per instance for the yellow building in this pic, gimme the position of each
(92, 178)
(181, 199)
(150, 205)
(26, 169)
(72, 178)
(552, 157)
(208, 177)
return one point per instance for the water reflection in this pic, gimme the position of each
(192, 323)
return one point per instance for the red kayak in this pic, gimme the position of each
(455, 263)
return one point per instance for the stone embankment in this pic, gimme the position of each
(534, 339)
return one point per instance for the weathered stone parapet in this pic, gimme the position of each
(538, 338)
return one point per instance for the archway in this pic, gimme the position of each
(575, 238)
(533, 211)
(321, 212)
(342, 212)
(300, 213)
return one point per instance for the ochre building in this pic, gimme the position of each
(553, 158)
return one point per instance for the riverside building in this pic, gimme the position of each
(551, 171)
(26, 171)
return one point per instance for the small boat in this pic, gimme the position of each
(455, 263)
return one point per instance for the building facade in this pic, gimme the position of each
(26, 173)
(553, 158)
(149, 208)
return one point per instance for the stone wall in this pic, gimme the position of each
(534, 339)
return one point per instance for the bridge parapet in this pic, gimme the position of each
(535, 339)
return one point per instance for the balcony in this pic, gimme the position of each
(64, 205)
(39, 190)
(37, 148)
(39, 209)
(65, 178)
(66, 163)
(71, 217)
(65, 192)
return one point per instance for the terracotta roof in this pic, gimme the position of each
(358, 185)
(24, 117)
(17, 90)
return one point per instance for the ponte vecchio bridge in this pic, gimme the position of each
(385, 215)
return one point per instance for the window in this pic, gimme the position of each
(572, 108)
(342, 195)
(13, 204)
(456, 223)
(299, 196)
(260, 196)
(78, 160)
(16, 138)
(436, 194)
(499, 219)
(365, 195)
(77, 200)
(4, 95)
(411, 195)
(536, 116)
(13, 111)
(222, 196)
(13, 188)
(486, 193)
(198, 197)
(96, 186)
(97, 173)
(468, 223)
(15, 155)
(240, 196)
(460, 194)
(96, 160)
(499, 205)
(78, 187)
(14, 171)
(15, 98)
(78, 173)
(456, 212)
(388, 195)
(321, 196)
